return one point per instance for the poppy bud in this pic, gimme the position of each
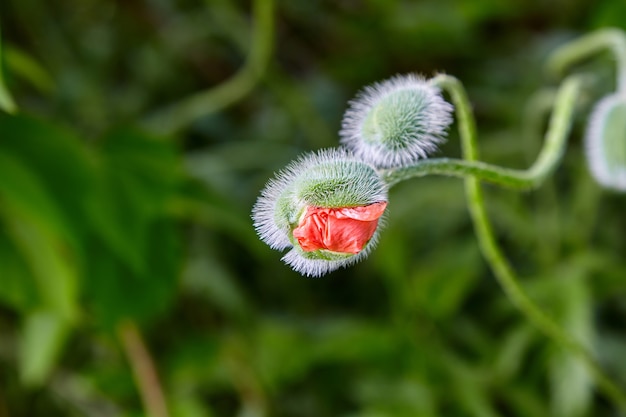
(326, 208)
(396, 122)
(606, 142)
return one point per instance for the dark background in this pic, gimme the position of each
(106, 220)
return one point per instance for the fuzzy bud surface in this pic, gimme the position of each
(325, 208)
(396, 122)
(606, 142)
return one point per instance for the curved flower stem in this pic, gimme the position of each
(546, 162)
(550, 155)
(486, 238)
(180, 114)
(610, 39)
(143, 370)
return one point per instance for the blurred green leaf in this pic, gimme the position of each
(6, 100)
(21, 191)
(18, 289)
(24, 65)
(136, 254)
(571, 381)
(55, 275)
(43, 337)
(115, 291)
(32, 222)
(137, 177)
(60, 164)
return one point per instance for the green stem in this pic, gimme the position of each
(550, 155)
(179, 115)
(546, 162)
(610, 39)
(536, 111)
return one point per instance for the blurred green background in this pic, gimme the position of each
(125, 206)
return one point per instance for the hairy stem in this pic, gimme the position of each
(178, 115)
(536, 111)
(545, 163)
(613, 40)
(143, 369)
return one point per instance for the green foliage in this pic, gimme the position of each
(84, 223)
(43, 338)
(101, 222)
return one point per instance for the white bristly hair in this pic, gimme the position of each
(605, 142)
(328, 178)
(396, 122)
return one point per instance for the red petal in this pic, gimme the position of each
(344, 230)
(365, 213)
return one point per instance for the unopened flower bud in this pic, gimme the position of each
(396, 122)
(606, 142)
(326, 208)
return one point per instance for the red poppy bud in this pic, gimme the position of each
(325, 208)
(344, 230)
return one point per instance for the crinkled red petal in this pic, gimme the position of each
(344, 230)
